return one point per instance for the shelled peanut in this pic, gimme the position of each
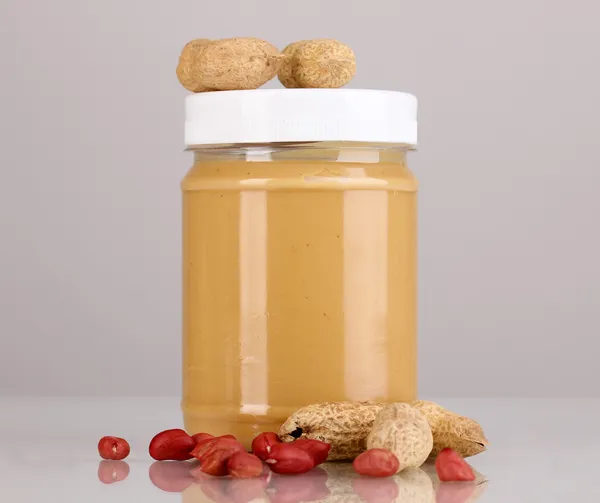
(377, 463)
(113, 448)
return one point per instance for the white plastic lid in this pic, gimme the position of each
(300, 115)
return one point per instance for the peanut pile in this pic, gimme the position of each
(248, 63)
(381, 439)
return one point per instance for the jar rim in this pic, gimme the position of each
(304, 145)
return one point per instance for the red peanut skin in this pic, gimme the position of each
(114, 448)
(376, 490)
(261, 445)
(172, 477)
(317, 449)
(174, 445)
(201, 448)
(198, 437)
(215, 463)
(286, 459)
(207, 447)
(451, 467)
(376, 463)
(111, 471)
(243, 465)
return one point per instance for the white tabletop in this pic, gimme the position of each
(541, 450)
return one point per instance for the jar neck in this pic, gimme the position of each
(368, 153)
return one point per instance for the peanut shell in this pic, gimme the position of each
(228, 64)
(460, 433)
(343, 425)
(404, 431)
(187, 69)
(320, 63)
(286, 69)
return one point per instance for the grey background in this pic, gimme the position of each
(91, 123)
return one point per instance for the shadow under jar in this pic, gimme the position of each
(299, 255)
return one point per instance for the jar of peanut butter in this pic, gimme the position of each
(299, 254)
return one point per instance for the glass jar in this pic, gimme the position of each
(299, 280)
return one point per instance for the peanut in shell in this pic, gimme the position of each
(228, 64)
(404, 431)
(319, 63)
(460, 433)
(343, 425)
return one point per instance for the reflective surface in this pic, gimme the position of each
(541, 450)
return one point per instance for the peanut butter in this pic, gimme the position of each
(299, 284)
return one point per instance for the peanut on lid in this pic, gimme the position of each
(300, 115)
